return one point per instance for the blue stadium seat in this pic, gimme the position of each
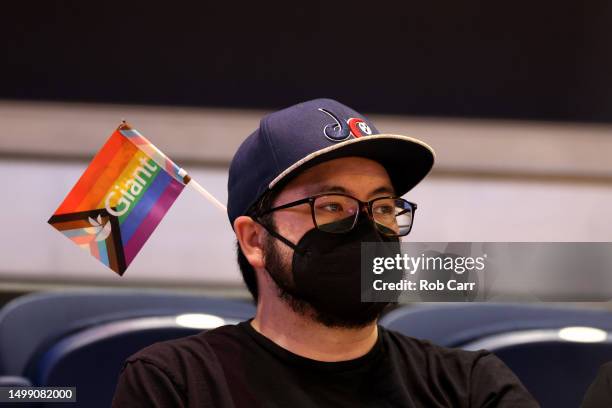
(453, 325)
(32, 320)
(556, 371)
(14, 381)
(91, 359)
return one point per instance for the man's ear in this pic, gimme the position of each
(250, 238)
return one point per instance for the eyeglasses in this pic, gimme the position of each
(338, 213)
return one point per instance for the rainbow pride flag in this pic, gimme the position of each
(120, 199)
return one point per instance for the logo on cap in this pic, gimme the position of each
(359, 127)
(341, 131)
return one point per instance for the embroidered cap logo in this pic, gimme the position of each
(359, 127)
(341, 131)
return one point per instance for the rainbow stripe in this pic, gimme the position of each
(120, 199)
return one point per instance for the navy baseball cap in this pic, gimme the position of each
(291, 140)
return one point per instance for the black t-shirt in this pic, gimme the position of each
(599, 394)
(236, 366)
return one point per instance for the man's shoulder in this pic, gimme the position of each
(168, 373)
(606, 369)
(186, 351)
(428, 352)
(475, 375)
(428, 347)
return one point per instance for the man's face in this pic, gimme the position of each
(361, 178)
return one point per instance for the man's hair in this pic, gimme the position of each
(248, 273)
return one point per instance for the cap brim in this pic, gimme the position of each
(407, 160)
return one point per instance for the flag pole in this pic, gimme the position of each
(197, 187)
(162, 160)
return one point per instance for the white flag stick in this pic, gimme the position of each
(162, 160)
(206, 194)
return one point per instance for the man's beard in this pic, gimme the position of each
(278, 265)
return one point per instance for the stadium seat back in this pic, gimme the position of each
(91, 359)
(453, 325)
(32, 320)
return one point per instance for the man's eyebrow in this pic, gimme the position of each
(339, 189)
(381, 190)
(327, 189)
(324, 188)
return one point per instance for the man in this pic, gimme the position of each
(305, 189)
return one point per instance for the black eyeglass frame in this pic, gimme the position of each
(362, 204)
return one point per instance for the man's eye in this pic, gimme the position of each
(332, 207)
(384, 209)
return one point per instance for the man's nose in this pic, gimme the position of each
(364, 210)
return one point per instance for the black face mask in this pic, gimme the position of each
(326, 271)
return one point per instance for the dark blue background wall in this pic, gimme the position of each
(475, 58)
